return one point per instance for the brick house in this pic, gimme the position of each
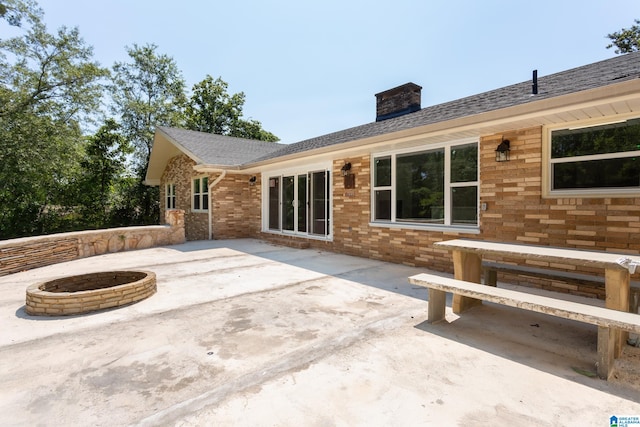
(551, 161)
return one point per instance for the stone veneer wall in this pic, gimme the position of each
(179, 171)
(33, 252)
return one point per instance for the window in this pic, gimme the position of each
(201, 194)
(299, 203)
(438, 186)
(170, 196)
(601, 157)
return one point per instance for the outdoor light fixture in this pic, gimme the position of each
(503, 150)
(252, 180)
(346, 168)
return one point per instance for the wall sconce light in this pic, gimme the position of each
(503, 150)
(346, 168)
(252, 180)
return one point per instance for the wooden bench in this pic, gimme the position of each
(606, 319)
(490, 272)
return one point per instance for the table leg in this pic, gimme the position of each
(467, 266)
(616, 283)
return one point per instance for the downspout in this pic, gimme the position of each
(213, 184)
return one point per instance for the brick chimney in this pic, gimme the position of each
(398, 101)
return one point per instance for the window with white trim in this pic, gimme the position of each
(200, 191)
(596, 158)
(170, 196)
(436, 186)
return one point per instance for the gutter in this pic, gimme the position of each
(211, 185)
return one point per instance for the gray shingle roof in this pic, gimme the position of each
(212, 149)
(598, 74)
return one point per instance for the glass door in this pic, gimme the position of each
(299, 203)
(274, 203)
(288, 203)
(303, 204)
(319, 192)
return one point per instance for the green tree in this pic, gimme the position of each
(626, 40)
(103, 165)
(15, 11)
(48, 85)
(211, 109)
(147, 92)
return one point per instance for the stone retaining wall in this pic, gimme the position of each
(33, 252)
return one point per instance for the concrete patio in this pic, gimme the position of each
(245, 333)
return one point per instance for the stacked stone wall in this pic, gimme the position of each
(179, 171)
(39, 251)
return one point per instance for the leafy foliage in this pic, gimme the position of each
(38, 165)
(626, 40)
(103, 164)
(51, 91)
(211, 109)
(146, 92)
(16, 11)
(48, 85)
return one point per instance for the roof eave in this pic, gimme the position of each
(203, 168)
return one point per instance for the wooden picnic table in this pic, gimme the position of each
(467, 263)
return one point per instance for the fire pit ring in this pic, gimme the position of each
(89, 292)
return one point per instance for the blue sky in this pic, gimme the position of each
(309, 68)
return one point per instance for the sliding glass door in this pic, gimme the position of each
(299, 203)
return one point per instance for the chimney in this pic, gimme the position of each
(398, 101)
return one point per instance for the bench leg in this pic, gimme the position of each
(617, 298)
(606, 351)
(437, 305)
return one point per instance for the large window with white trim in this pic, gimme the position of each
(603, 157)
(200, 191)
(434, 186)
(299, 203)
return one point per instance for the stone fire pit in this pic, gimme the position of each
(89, 292)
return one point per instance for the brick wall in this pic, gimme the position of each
(512, 191)
(236, 207)
(516, 212)
(235, 203)
(353, 234)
